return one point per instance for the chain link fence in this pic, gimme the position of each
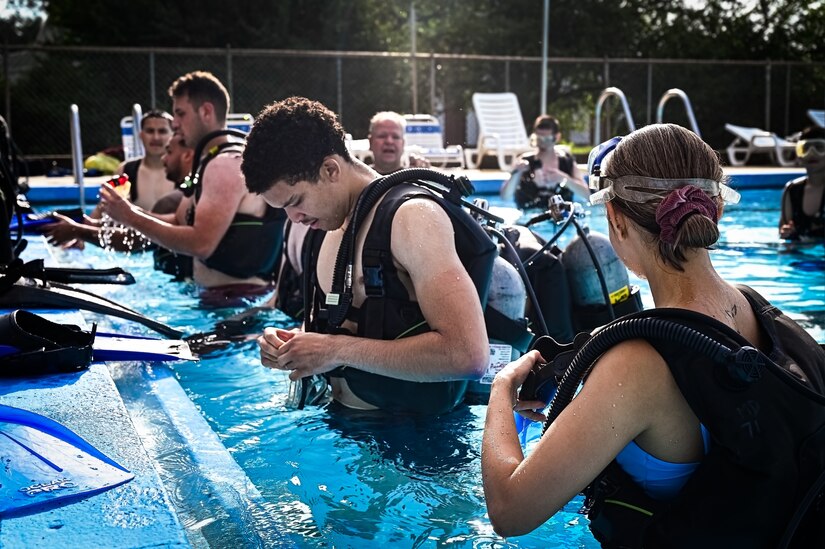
(40, 84)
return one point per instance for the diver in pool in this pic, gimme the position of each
(631, 426)
(803, 200)
(386, 137)
(149, 183)
(549, 171)
(232, 235)
(319, 184)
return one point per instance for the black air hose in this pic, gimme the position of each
(623, 330)
(516, 262)
(365, 203)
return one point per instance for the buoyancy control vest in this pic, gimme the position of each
(290, 295)
(761, 483)
(389, 313)
(811, 226)
(529, 194)
(251, 245)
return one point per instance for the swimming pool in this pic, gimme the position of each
(346, 480)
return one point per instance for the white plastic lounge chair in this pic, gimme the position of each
(818, 117)
(423, 136)
(359, 148)
(500, 130)
(754, 140)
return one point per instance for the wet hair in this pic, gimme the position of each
(155, 113)
(392, 116)
(202, 87)
(289, 141)
(546, 122)
(812, 132)
(667, 151)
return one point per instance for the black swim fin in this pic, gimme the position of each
(36, 269)
(31, 345)
(240, 327)
(34, 294)
(45, 464)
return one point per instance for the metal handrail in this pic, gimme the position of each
(137, 118)
(606, 93)
(77, 152)
(670, 94)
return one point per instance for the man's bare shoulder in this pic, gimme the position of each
(225, 170)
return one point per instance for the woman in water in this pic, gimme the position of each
(550, 170)
(630, 428)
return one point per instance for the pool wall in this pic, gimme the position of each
(63, 190)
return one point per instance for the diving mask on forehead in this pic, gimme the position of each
(637, 188)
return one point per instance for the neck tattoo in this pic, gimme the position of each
(731, 314)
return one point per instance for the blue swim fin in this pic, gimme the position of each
(108, 346)
(45, 464)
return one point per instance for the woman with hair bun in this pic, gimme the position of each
(632, 439)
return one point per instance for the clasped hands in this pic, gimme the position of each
(301, 353)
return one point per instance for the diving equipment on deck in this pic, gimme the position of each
(45, 464)
(28, 293)
(31, 345)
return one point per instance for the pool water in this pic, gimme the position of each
(358, 480)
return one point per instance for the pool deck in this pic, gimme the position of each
(188, 491)
(64, 190)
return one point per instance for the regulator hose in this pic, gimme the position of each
(622, 330)
(456, 189)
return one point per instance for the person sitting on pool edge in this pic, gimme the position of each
(297, 159)
(803, 199)
(549, 171)
(232, 235)
(386, 137)
(663, 189)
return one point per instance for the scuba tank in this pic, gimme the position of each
(507, 296)
(594, 273)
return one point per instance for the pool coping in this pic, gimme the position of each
(139, 415)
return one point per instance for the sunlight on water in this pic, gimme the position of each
(350, 480)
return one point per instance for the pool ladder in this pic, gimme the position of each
(667, 96)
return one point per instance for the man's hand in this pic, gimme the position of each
(301, 353)
(787, 230)
(111, 203)
(64, 232)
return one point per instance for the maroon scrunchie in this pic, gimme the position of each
(679, 204)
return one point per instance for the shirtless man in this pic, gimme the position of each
(222, 226)
(148, 184)
(148, 177)
(318, 184)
